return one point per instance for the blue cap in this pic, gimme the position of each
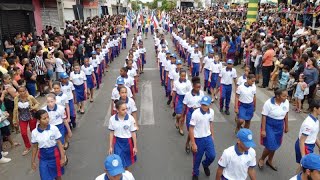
(196, 46)
(206, 100)
(120, 81)
(113, 165)
(168, 52)
(311, 161)
(230, 61)
(173, 55)
(245, 136)
(178, 61)
(94, 53)
(64, 75)
(211, 51)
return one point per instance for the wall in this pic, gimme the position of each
(37, 16)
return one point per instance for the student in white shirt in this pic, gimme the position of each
(68, 89)
(191, 102)
(79, 79)
(213, 80)
(238, 161)
(310, 165)
(227, 76)
(115, 95)
(123, 138)
(273, 123)
(95, 62)
(179, 90)
(128, 81)
(201, 136)
(46, 140)
(196, 60)
(91, 77)
(114, 169)
(124, 40)
(308, 134)
(245, 102)
(142, 51)
(206, 66)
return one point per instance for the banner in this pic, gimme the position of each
(252, 12)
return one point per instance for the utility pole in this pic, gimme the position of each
(60, 7)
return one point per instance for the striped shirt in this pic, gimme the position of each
(39, 63)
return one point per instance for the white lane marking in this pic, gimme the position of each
(107, 117)
(146, 107)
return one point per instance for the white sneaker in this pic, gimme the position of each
(4, 160)
(3, 153)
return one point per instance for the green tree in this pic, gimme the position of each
(134, 6)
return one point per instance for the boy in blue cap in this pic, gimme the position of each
(310, 165)
(238, 161)
(114, 169)
(201, 137)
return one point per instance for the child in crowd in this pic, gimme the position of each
(283, 82)
(299, 94)
(290, 86)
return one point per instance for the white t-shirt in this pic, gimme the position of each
(122, 128)
(125, 176)
(59, 65)
(181, 88)
(235, 165)
(193, 100)
(68, 90)
(227, 76)
(246, 93)
(78, 78)
(196, 57)
(274, 111)
(310, 128)
(201, 122)
(55, 115)
(208, 39)
(47, 138)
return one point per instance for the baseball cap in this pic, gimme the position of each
(93, 53)
(206, 100)
(173, 55)
(245, 136)
(120, 80)
(64, 75)
(178, 61)
(230, 61)
(311, 161)
(211, 51)
(196, 46)
(168, 52)
(113, 165)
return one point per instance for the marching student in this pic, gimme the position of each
(100, 65)
(124, 40)
(122, 136)
(245, 102)
(310, 165)
(189, 51)
(95, 62)
(62, 99)
(242, 79)
(128, 81)
(172, 67)
(191, 102)
(226, 76)
(68, 89)
(201, 136)
(238, 161)
(132, 72)
(308, 134)
(91, 77)
(79, 79)
(114, 169)
(116, 95)
(273, 123)
(174, 75)
(165, 70)
(46, 140)
(179, 90)
(196, 60)
(206, 66)
(214, 83)
(142, 51)
(161, 57)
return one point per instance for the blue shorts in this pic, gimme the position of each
(214, 80)
(71, 107)
(246, 111)
(308, 148)
(206, 74)
(80, 94)
(178, 104)
(123, 147)
(49, 163)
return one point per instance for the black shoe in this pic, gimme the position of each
(174, 114)
(227, 112)
(206, 171)
(195, 177)
(168, 102)
(221, 110)
(74, 124)
(209, 92)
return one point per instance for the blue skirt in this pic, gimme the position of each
(214, 80)
(49, 163)
(188, 117)
(246, 111)
(90, 83)
(274, 133)
(308, 148)
(62, 130)
(79, 91)
(143, 59)
(169, 85)
(179, 103)
(123, 147)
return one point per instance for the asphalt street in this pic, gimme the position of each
(161, 154)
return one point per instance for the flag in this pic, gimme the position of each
(129, 19)
(154, 20)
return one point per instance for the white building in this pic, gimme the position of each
(116, 6)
